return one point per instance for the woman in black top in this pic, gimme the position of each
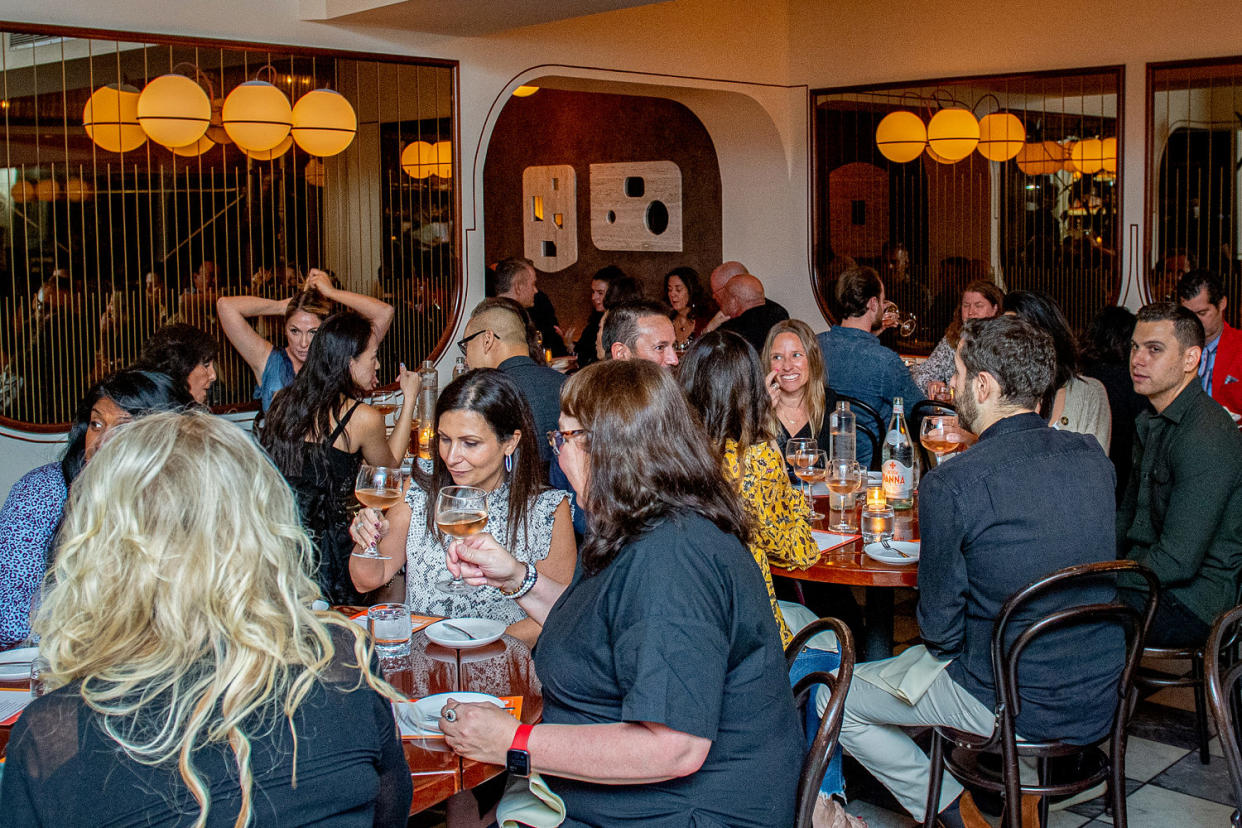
(190, 681)
(318, 433)
(664, 688)
(801, 400)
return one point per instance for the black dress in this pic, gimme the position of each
(325, 494)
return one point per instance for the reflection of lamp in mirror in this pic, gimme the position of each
(257, 116)
(1041, 158)
(421, 159)
(324, 122)
(194, 150)
(174, 111)
(48, 189)
(1110, 155)
(316, 175)
(1001, 136)
(901, 136)
(1087, 156)
(110, 118)
(77, 190)
(953, 133)
(22, 192)
(273, 153)
(525, 91)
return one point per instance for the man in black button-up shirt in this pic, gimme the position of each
(1181, 515)
(1026, 500)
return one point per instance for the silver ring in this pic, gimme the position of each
(450, 715)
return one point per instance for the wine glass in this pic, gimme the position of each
(844, 477)
(938, 434)
(810, 467)
(796, 446)
(378, 487)
(906, 322)
(461, 511)
(385, 402)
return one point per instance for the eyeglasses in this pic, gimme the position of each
(558, 439)
(461, 343)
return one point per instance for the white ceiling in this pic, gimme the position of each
(462, 18)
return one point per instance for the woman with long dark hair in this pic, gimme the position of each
(304, 312)
(33, 510)
(1073, 402)
(318, 432)
(486, 438)
(185, 353)
(661, 655)
(684, 293)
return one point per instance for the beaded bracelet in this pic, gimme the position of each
(528, 582)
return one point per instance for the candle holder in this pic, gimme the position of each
(877, 523)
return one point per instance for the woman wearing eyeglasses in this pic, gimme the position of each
(665, 697)
(486, 438)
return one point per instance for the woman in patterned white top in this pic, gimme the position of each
(486, 438)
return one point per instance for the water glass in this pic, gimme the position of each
(389, 625)
(38, 676)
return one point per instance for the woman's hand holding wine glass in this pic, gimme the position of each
(481, 560)
(461, 511)
(377, 487)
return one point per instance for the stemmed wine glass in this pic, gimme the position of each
(809, 466)
(844, 478)
(938, 434)
(378, 487)
(461, 511)
(795, 447)
(906, 322)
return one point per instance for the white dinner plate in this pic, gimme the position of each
(483, 630)
(877, 552)
(422, 717)
(15, 664)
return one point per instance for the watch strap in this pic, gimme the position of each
(521, 736)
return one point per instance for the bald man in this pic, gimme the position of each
(719, 278)
(495, 337)
(750, 313)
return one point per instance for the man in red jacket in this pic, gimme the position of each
(1220, 367)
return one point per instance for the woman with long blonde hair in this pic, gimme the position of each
(795, 384)
(192, 680)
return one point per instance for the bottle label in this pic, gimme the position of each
(898, 480)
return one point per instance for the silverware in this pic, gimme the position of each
(458, 629)
(886, 545)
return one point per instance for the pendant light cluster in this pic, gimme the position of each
(421, 159)
(952, 134)
(176, 112)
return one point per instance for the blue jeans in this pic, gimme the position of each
(809, 661)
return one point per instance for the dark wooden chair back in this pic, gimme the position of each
(1223, 665)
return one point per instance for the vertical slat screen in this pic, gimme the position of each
(98, 249)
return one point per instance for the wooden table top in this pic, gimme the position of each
(848, 564)
(502, 668)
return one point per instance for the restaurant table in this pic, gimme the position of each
(502, 668)
(849, 565)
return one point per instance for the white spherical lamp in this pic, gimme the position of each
(174, 111)
(257, 116)
(111, 119)
(324, 122)
(1001, 136)
(901, 136)
(953, 133)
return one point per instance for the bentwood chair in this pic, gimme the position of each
(1152, 680)
(815, 762)
(867, 420)
(1008, 645)
(1223, 665)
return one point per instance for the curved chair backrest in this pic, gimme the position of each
(867, 420)
(815, 763)
(1224, 687)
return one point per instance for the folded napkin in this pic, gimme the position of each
(908, 676)
(529, 802)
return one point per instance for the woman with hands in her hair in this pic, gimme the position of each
(661, 654)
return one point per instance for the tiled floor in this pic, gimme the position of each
(1167, 786)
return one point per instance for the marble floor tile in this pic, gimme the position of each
(877, 817)
(1190, 776)
(1145, 758)
(1151, 806)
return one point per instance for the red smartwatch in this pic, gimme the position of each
(517, 761)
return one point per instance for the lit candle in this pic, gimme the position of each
(547, 355)
(875, 497)
(425, 436)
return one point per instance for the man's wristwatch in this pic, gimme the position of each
(517, 762)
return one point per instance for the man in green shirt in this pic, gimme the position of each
(1182, 511)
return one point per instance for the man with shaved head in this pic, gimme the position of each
(495, 337)
(719, 278)
(750, 314)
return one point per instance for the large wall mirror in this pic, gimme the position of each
(138, 181)
(1194, 168)
(1012, 178)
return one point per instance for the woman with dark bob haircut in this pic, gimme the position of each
(33, 510)
(485, 437)
(661, 655)
(186, 354)
(318, 432)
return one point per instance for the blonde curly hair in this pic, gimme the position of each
(180, 599)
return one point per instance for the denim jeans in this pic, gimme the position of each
(809, 661)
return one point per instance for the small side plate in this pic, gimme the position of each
(484, 630)
(876, 551)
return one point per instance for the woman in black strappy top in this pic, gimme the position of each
(318, 432)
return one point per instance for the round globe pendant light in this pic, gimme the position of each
(937, 157)
(273, 153)
(48, 189)
(111, 119)
(1087, 156)
(194, 150)
(22, 192)
(412, 159)
(174, 111)
(1110, 155)
(77, 190)
(442, 153)
(953, 133)
(1041, 158)
(324, 123)
(900, 136)
(1001, 136)
(257, 116)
